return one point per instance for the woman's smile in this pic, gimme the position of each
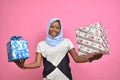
(54, 29)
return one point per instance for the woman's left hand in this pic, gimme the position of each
(95, 57)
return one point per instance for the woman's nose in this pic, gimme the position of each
(54, 29)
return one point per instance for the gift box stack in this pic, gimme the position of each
(92, 39)
(17, 49)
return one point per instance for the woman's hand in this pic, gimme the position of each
(20, 63)
(95, 57)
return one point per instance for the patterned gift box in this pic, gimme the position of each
(17, 49)
(91, 39)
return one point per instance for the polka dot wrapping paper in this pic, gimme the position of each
(92, 39)
(17, 49)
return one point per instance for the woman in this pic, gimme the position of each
(53, 51)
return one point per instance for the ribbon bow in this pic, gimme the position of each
(15, 37)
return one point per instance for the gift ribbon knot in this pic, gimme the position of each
(15, 37)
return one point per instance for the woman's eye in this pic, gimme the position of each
(57, 27)
(51, 26)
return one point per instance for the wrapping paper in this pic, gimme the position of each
(17, 49)
(91, 39)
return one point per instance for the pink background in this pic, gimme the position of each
(29, 18)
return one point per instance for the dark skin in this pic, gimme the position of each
(78, 59)
(54, 31)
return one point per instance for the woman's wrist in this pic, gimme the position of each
(24, 67)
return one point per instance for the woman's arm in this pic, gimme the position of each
(79, 59)
(36, 63)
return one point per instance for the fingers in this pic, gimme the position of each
(21, 60)
(17, 62)
(20, 63)
(97, 56)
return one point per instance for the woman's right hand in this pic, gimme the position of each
(20, 63)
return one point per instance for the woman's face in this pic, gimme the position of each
(54, 29)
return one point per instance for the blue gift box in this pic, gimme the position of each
(17, 49)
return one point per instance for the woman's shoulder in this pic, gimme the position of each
(67, 39)
(41, 43)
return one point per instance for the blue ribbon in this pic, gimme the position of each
(15, 37)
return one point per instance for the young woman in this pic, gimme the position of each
(53, 51)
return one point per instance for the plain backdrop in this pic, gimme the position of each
(29, 18)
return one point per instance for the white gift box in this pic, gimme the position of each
(91, 39)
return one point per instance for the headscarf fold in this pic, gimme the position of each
(56, 40)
